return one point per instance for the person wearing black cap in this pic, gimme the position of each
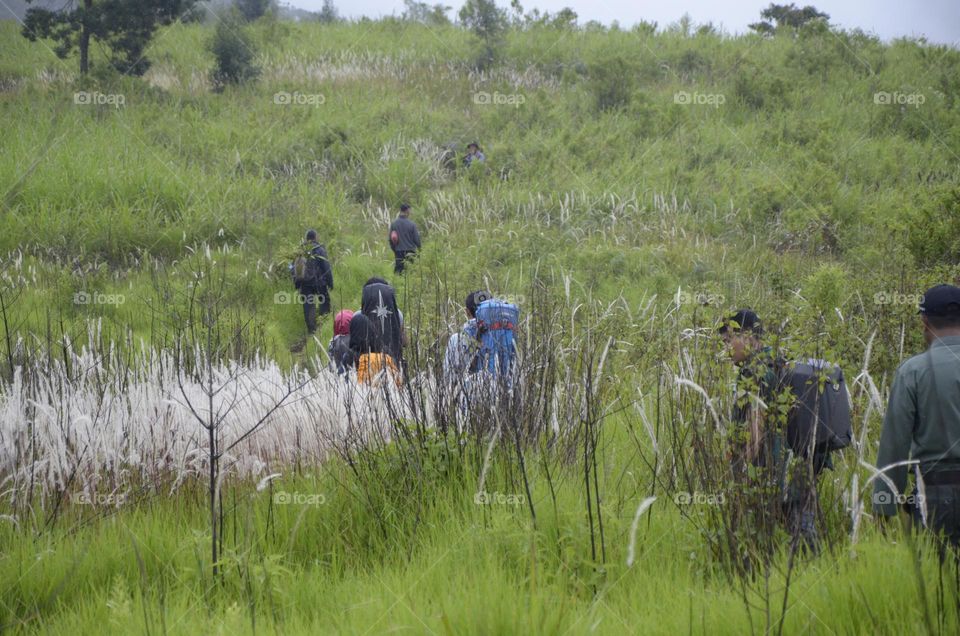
(762, 445)
(462, 346)
(404, 238)
(922, 423)
(742, 334)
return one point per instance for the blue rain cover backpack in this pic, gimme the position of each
(496, 321)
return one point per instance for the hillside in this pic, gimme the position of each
(639, 186)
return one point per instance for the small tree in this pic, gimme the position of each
(208, 353)
(786, 16)
(124, 27)
(234, 51)
(328, 14)
(423, 13)
(253, 9)
(488, 22)
(612, 84)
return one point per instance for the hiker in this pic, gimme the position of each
(339, 347)
(790, 442)
(313, 279)
(463, 345)
(366, 354)
(922, 424)
(404, 238)
(497, 321)
(474, 154)
(379, 304)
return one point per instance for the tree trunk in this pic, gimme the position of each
(85, 38)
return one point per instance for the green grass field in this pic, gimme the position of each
(639, 186)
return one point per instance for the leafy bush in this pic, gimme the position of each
(825, 289)
(933, 234)
(233, 50)
(611, 83)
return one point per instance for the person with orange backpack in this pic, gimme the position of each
(367, 355)
(404, 238)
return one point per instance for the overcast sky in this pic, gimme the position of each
(937, 20)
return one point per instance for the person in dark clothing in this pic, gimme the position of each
(379, 305)
(313, 278)
(760, 442)
(404, 238)
(363, 339)
(367, 355)
(922, 423)
(340, 344)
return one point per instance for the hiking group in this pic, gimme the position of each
(371, 339)
(783, 445)
(787, 444)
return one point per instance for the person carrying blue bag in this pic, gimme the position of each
(484, 349)
(497, 350)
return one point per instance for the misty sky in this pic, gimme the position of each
(937, 20)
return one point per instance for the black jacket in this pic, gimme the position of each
(323, 278)
(379, 305)
(408, 234)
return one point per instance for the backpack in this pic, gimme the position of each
(371, 365)
(496, 321)
(821, 409)
(306, 268)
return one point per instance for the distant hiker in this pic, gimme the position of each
(379, 304)
(792, 453)
(404, 238)
(474, 154)
(339, 349)
(366, 353)
(313, 279)
(922, 424)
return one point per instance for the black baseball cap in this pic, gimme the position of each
(474, 299)
(743, 320)
(404, 207)
(941, 300)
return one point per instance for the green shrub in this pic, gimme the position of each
(233, 51)
(612, 83)
(933, 231)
